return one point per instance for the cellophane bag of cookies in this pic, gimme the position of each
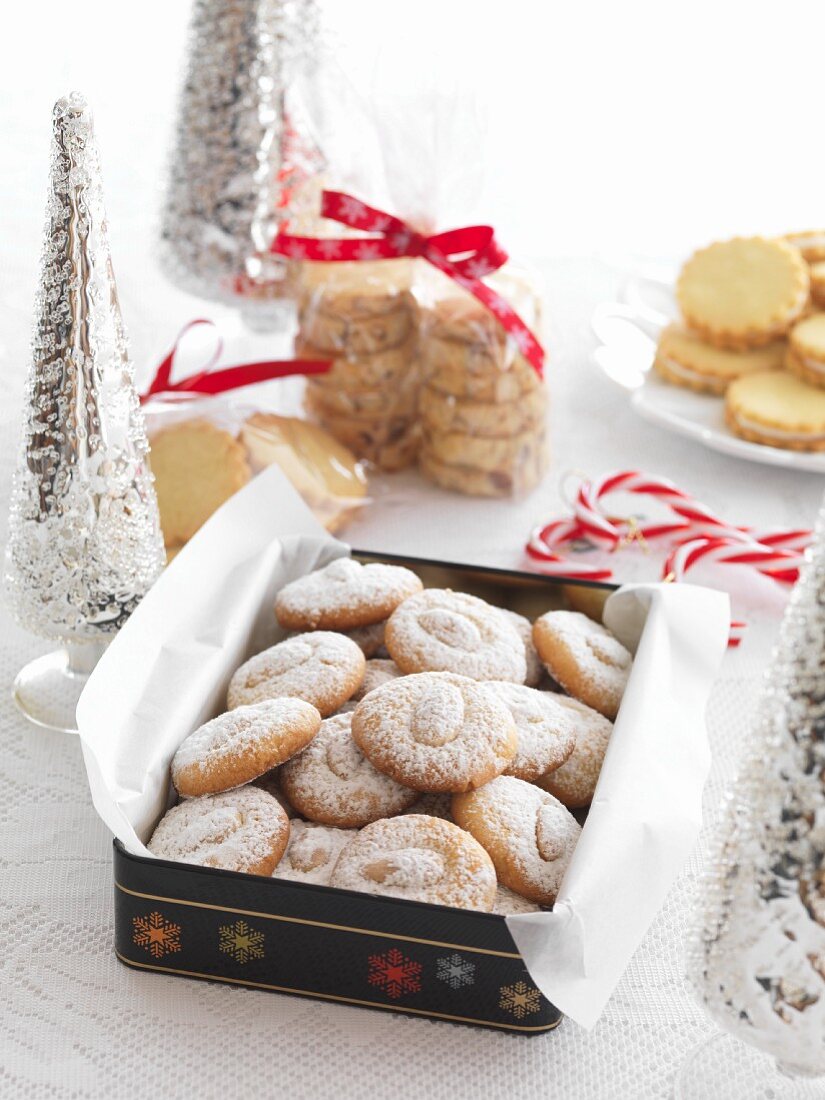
(204, 449)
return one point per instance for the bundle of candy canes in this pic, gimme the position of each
(691, 532)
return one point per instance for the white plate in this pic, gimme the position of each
(627, 333)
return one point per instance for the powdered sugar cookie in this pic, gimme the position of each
(444, 631)
(584, 657)
(529, 835)
(507, 902)
(332, 782)
(312, 852)
(240, 830)
(435, 731)
(421, 859)
(575, 781)
(369, 639)
(271, 785)
(242, 744)
(321, 668)
(524, 629)
(380, 670)
(546, 730)
(343, 595)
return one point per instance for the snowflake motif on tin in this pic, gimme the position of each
(520, 999)
(240, 941)
(156, 934)
(395, 973)
(456, 971)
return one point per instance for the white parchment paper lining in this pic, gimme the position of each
(168, 669)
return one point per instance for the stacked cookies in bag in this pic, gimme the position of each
(483, 407)
(365, 318)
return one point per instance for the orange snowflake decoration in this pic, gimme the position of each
(395, 973)
(156, 934)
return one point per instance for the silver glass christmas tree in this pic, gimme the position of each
(758, 963)
(242, 152)
(84, 532)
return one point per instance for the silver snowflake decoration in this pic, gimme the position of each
(455, 970)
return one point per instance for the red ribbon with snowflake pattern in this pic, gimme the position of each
(464, 255)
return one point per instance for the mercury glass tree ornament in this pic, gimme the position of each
(758, 962)
(242, 153)
(84, 533)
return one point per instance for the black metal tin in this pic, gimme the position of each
(339, 945)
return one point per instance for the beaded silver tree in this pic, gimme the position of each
(758, 962)
(84, 532)
(242, 153)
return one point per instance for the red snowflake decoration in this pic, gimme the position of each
(159, 936)
(395, 973)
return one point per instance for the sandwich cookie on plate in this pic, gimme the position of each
(684, 359)
(806, 350)
(778, 409)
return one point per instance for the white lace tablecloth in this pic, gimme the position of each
(75, 1023)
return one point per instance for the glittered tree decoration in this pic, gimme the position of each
(242, 159)
(84, 532)
(759, 962)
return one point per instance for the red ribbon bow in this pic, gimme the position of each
(465, 255)
(207, 381)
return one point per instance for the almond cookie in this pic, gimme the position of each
(390, 443)
(777, 409)
(242, 745)
(806, 349)
(377, 371)
(421, 859)
(321, 668)
(383, 401)
(312, 852)
(546, 731)
(334, 333)
(575, 781)
(436, 731)
(271, 785)
(197, 466)
(483, 453)
(441, 630)
(518, 477)
(343, 595)
(684, 359)
(584, 657)
(744, 292)
(332, 782)
(524, 628)
(528, 833)
(442, 412)
(240, 830)
(379, 671)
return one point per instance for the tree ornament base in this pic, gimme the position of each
(47, 689)
(723, 1067)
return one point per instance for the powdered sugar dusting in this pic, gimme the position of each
(379, 671)
(436, 731)
(333, 782)
(419, 858)
(442, 630)
(546, 729)
(345, 594)
(241, 830)
(585, 658)
(575, 781)
(312, 852)
(369, 639)
(508, 902)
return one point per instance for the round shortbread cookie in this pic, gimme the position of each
(343, 595)
(240, 830)
(321, 667)
(442, 412)
(777, 409)
(682, 357)
(382, 369)
(806, 342)
(808, 370)
(575, 781)
(335, 334)
(529, 835)
(439, 630)
(483, 483)
(524, 628)
(421, 859)
(369, 639)
(436, 731)
(332, 781)
(546, 731)
(242, 745)
(584, 657)
(380, 670)
(507, 902)
(744, 292)
(197, 467)
(312, 852)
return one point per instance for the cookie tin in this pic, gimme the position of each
(340, 945)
